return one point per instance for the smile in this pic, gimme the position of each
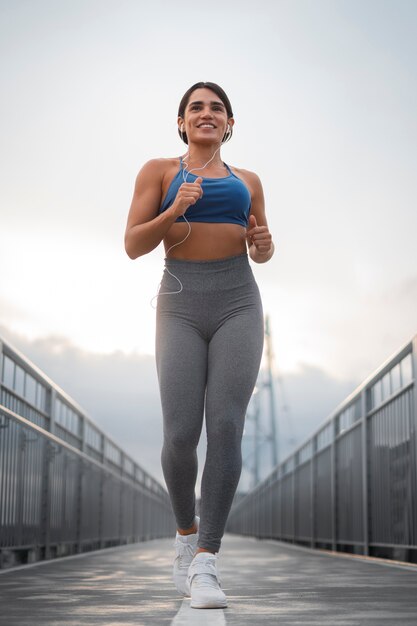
(206, 126)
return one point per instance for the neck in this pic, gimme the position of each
(199, 155)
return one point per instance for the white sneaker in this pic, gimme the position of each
(185, 547)
(204, 583)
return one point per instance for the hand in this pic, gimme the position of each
(258, 236)
(187, 195)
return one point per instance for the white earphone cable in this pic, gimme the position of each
(185, 174)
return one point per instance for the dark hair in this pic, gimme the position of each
(219, 92)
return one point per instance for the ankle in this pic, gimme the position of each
(204, 550)
(189, 531)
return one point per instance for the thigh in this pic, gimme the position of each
(181, 359)
(235, 353)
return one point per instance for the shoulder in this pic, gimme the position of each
(251, 179)
(158, 167)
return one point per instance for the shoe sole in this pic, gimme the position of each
(207, 605)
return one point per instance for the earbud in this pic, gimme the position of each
(227, 133)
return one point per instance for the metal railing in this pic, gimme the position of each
(65, 487)
(352, 486)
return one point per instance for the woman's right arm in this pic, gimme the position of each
(146, 229)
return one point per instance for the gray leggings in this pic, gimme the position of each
(209, 341)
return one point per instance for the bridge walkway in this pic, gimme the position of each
(266, 582)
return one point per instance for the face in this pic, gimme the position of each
(205, 117)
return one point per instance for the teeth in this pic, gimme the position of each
(206, 126)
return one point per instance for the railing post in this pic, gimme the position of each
(413, 427)
(79, 504)
(365, 471)
(52, 410)
(333, 489)
(121, 511)
(293, 502)
(312, 493)
(133, 519)
(280, 507)
(20, 484)
(46, 499)
(101, 510)
(1, 363)
(83, 434)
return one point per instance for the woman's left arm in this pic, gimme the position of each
(260, 244)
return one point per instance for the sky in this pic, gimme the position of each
(324, 94)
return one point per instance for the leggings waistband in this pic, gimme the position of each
(210, 264)
(217, 274)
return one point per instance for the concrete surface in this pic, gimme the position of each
(266, 582)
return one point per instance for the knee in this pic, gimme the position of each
(181, 442)
(226, 432)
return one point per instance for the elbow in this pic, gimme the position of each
(131, 255)
(136, 245)
(130, 251)
(134, 253)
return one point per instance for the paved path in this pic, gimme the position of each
(266, 582)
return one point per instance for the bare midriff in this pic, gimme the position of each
(206, 241)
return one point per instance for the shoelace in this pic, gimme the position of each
(184, 549)
(205, 580)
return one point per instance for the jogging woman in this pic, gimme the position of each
(209, 335)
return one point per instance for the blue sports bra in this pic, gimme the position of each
(224, 200)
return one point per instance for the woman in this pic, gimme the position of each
(209, 334)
